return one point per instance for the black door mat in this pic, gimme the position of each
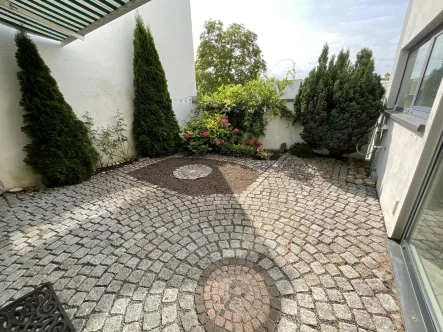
(37, 311)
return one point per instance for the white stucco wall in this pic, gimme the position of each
(396, 166)
(96, 76)
(280, 131)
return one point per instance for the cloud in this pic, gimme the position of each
(365, 21)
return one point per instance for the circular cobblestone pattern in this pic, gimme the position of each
(237, 297)
(192, 172)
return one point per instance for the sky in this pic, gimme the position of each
(298, 29)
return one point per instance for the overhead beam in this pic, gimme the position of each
(13, 7)
(131, 5)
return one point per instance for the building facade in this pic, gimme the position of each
(408, 164)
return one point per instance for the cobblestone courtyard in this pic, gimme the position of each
(299, 250)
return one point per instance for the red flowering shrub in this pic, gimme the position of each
(204, 135)
(210, 134)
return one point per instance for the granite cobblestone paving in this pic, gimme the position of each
(126, 255)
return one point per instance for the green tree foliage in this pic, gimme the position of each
(60, 149)
(387, 77)
(247, 105)
(155, 128)
(339, 102)
(229, 56)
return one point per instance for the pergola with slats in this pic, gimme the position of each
(63, 20)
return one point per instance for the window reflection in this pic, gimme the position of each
(433, 76)
(411, 77)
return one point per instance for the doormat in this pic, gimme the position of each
(39, 310)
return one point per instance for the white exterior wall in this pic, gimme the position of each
(280, 131)
(402, 166)
(96, 76)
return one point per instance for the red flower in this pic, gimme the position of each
(223, 141)
(236, 130)
(205, 133)
(260, 148)
(251, 141)
(224, 122)
(217, 143)
(257, 142)
(243, 143)
(187, 135)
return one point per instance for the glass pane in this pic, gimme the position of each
(426, 242)
(433, 75)
(413, 70)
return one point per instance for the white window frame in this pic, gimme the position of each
(422, 112)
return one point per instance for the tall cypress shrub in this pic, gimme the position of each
(339, 102)
(60, 149)
(155, 128)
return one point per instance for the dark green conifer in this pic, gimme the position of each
(339, 102)
(60, 149)
(155, 128)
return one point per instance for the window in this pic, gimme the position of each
(433, 76)
(424, 241)
(422, 77)
(414, 67)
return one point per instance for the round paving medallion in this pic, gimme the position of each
(237, 297)
(192, 172)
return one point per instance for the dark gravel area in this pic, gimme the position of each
(226, 178)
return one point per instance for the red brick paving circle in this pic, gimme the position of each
(231, 296)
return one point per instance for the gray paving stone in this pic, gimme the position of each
(120, 306)
(324, 311)
(85, 309)
(305, 300)
(353, 300)
(95, 322)
(169, 314)
(308, 317)
(113, 323)
(170, 295)
(151, 320)
(133, 312)
(114, 246)
(383, 324)
(363, 319)
(289, 307)
(342, 311)
(387, 302)
(284, 287)
(286, 326)
(133, 327)
(373, 305)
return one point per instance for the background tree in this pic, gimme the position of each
(339, 102)
(60, 149)
(229, 56)
(155, 128)
(387, 77)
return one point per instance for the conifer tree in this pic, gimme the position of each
(339, 102)
(155, 127)
(60, 149)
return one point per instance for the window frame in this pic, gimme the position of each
(423, 298)
(422, 112)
